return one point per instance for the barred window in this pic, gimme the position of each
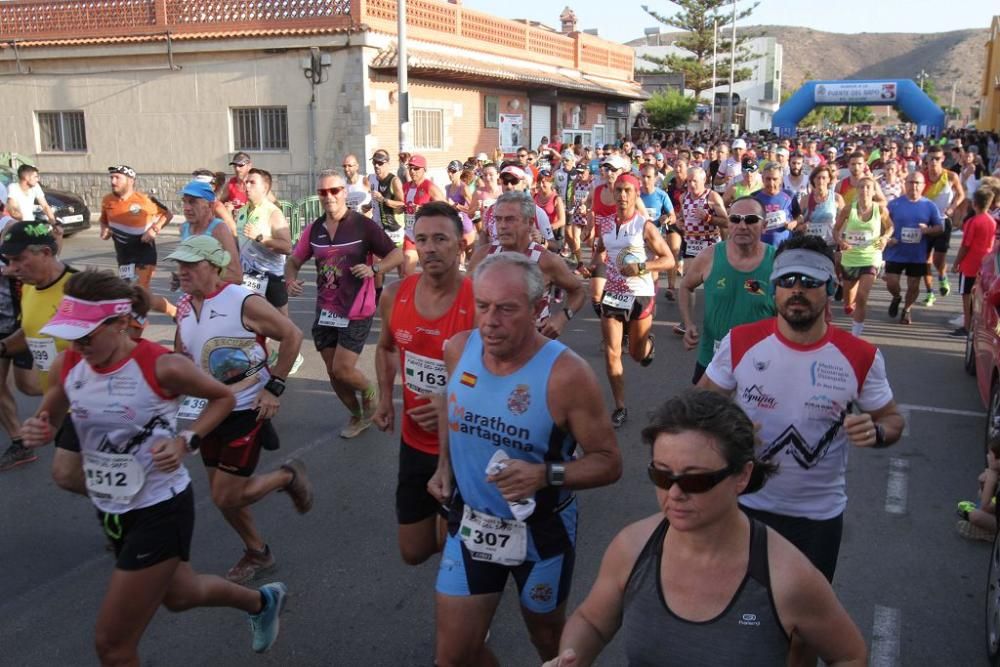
(428, 129)
(260, 128)
(492, 116)
(61, 132)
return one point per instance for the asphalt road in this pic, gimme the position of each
(913, 586)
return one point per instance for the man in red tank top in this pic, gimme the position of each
(234, 195)
(418, 191)
(419, 315)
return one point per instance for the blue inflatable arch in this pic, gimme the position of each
(901, 93)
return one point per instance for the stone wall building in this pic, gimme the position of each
(168, 86)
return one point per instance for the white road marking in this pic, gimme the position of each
(896, 488)
(940, 411)
(885, 637)
(906, 420)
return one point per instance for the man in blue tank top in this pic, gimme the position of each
(517, 405)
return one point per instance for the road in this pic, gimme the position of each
(913, 586)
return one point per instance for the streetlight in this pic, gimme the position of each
(732, 69)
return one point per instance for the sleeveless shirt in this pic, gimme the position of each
(821, 216)
(415, 196)
(861, 234)
(256, 256)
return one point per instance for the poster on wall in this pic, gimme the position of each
(511, 131)
(869, 92)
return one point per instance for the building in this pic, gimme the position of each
(168, 86)
(989, 105)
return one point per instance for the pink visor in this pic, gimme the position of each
(77, 318)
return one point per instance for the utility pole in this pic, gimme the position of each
(732, 71)
(401, 75)
(921, 76)
(715, 56)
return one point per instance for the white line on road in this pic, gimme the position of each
(940, 411)
(906, 420)
(896, 488)
(885, 637)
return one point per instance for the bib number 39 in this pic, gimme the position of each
(493, 540)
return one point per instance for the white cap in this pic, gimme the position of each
(483, 157)
(782, 151)
(616, 161)
(739, 143)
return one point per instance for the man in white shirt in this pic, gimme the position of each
(23, 195)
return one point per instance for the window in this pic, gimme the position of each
(260, 129)
(492, 107)
(61, 132)
(428, 129)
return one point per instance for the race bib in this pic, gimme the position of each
(397, 235)
(493, 540)
(622, 301)
(817, 229)
(43, 352)
(423, 375)
(580, 196)
(255, 282)
(191, 407)
(775, 220)
(330, 319)
(411, 219)
(117, 477)
(695, 246)
(127, 272)
(911, 235)
(858, 239)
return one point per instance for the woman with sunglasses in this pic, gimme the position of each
(700, 583)
(131, 463)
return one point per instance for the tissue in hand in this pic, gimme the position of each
(521, 509)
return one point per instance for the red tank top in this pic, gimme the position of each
(421, 352)
(600, 208)
(236, 192)
(549, 207)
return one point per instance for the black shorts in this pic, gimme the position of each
(642, 307)
(66, 437)
(144, 537)
(965, 284)
(21, 360)
(819, 541)
(277, 292)
(234, 445)
(911, 269)
(413, 502)
(941, 242)
(672, 228)
(129, 249)
(352, 337)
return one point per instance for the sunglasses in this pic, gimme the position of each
(699, 482)
(788, 282)
(379, 163)
(329, 192)
(748, 219)
(510, 180)
(89, 338)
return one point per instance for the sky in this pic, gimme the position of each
(627, 20)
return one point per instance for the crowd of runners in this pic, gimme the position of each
(474, 280)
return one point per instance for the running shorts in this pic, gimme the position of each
(144, 537)
(818, 540)
(234, 445)
(942, 242)
(413, 502)
(352, 337)
(911, 269)
(642, 307)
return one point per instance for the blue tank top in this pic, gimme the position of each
(186, 228)
(488, 412)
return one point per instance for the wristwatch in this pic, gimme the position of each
(555, 474)
(642, 267)
(879, 436)
(275, 385)
(193, 440)
(569, 313)
(376, 267)
(259, 238)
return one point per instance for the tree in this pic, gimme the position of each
(669, 109)
(695, 19)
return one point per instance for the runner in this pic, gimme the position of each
(915, 221)
(944, 188)
(486, 194)
(862, 231)
(659, 211)
(822, 206)
(132, 469)
(420, 314)
(677, 187)
(703, 219)
(978, 235)
(634, 248)
(216, 181)
(359, 196)
(744, 185)
(417, 191)
(199, 220)
(782, 214)
(514, 178)
(547, 199)
(387, 206)
(890, 182)
(22, 197)
(735, 273)
(517, 406)
(857, 167)
(234, 195)
(578, 193)
(796, 180)
(221, 327)
(265, 242)
(342, 244)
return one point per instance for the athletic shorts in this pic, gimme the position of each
(672, 228)
(66, 437)
(352, 337)
(234, 445)
(965, 284)
(129, 249)
(819, 541)
(277, 291)
(853, 273)
(600, 271)
(409, 245)
(144, 537)
(642, 307)
(941, 242)
(22, 360)
(542, 585)
(911, 269)
(413, 502)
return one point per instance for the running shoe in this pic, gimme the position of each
(265, 624)
(369, 402)
(15, 455)
(299, 359)
(619, 416)
(960, 332)
(929, 299)
(944, 286)
(669, 294)
(957, 321)
(300, 489)
(251, 565)
(964, 507)
(355, 427)
(679, 329)
(894, 306)
(970, 532)
(648, 359)
(905, 317)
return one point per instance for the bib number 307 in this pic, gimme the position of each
(493, 540)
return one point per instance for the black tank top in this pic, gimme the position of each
(747, 633)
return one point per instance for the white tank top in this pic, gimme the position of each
(220, 345)
(119, 414)
(534, 253)
(256, 256)
(357, 196)
(943, 198)
(624, 244)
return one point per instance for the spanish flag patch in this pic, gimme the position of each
(468, 379)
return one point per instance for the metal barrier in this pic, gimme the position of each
(304, 211)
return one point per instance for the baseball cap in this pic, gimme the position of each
(201, 248)
(381, 155)
(240, 159)
(749, 164)
(123, 169)
(569, 155)
(75, 318)
(516, 172)
(782, 151)
(698, 149)
(20, 235)
(739, 143)
(418, 161)
(455, 165)
(199, 189)
(806, 262)
(657, 156)
(483, 157)
(616, 161)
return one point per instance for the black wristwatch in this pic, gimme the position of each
(555, 474)
(275, 385)
(880, 436)
(193, 440)
(259, 238)
(569, 313)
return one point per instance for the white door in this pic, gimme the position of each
(541, 123)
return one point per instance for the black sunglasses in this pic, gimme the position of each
(332, 192)
(379, 163)
(87, 339)
(789, 281)
(510, 180)
(698, 482)
(748, 219)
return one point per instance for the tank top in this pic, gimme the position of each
(119, 413)
(939, 191)
(891, 190)
(237, 193)
(357, 196)
(625, 244)
(861, 234)
(580, 191)
(821, 216)
(510, 413)
(534, 253)
(549, 207)
(415, 196)
(733, 298)
(747, 633)
(220, 345)
(698, 233)
(186, 228)
(795, 190)
(847, 191)
(744, 190)
(599, 207)
(391, 220)
(256, 256)
(421, 352)
(38, 306)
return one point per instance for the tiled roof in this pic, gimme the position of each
(185, 36)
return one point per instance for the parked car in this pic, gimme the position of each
(70, 209)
